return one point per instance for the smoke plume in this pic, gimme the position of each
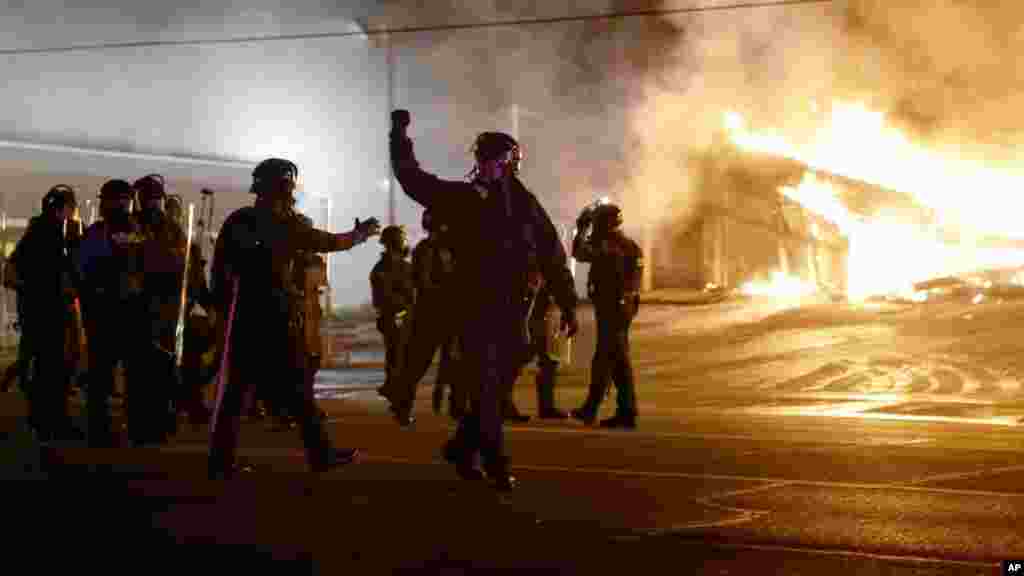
(947, 70)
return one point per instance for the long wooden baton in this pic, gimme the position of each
(222, 374)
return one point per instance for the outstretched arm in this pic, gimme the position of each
(311, 239)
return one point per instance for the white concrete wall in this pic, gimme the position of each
(321, 103)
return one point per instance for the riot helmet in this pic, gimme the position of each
(151, 193)
(394, 239)
(58, 198)
(607, 217)
(117, 198)
(175, 209)
(274, 175)
(497, 155)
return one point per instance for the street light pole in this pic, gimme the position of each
(391, 106)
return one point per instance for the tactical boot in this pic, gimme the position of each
(336, 458)
(620, 421)
(403, 415)
(221, 473)
(498, 472)
(505, 482)
(464, 463)
(553, 414)
(583, 415)
(546, 395)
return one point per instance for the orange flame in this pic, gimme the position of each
(889, 256)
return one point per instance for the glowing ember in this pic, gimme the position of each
(888, 257)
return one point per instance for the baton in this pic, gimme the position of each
(222, 374)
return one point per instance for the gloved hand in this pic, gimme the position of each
(569, 323)
(365, 229)
(400, 120)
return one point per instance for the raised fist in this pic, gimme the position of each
(400, 120)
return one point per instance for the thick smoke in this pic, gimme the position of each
(946, 70)
(769, 64)
(573, 82)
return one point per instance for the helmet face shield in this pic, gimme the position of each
(276, 177)
(117, 197)
(497, 155)
(60, 197)
(174, 209)
(150, 192)
(394, 238)
(607, 217)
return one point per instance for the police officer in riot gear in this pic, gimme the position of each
(308, 275)
(259, 322)
(614, 288)
(310, 279)
(393, 293)
(164, 258)
(43, 267)
(500, 234)
(433, 265)
(198, 334)
(541, 347)
(111, 272)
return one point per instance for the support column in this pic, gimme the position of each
(392, 208)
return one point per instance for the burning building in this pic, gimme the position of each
(769, 223)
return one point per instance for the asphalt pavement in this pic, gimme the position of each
(753, 456)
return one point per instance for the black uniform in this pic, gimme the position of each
(393, 292)
(542, 342)
(497, 231)
(433, 264)
(114, 311)
(255, 251)
(305, 294)
(24, 366)
(44, 263)
(164, 265)
(198, 341)
(614, 288)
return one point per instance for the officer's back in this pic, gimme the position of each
(610, 273)
(41, 261)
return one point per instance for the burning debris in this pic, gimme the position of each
(889, 255)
